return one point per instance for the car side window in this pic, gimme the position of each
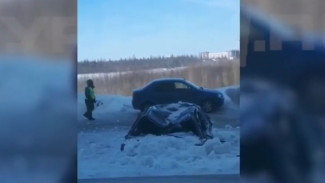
(181, 86)
(163, 87)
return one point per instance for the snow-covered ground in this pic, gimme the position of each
(99, 141)
(115, 74)
(100, 156)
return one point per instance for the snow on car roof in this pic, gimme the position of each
(164, 79)
(168, 79)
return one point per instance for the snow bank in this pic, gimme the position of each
(99, 154)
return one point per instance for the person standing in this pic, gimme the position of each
(90, 99)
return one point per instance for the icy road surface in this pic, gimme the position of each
(118, 111)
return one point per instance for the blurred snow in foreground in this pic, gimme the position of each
(99, 154)
(37, 119)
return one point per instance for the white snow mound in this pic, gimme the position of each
(156, 155)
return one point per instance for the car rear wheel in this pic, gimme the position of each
(207, 106)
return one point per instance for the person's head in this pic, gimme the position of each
(90, 83)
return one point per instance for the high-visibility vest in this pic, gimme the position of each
(92, 93)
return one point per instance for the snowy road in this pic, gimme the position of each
(118, 111)
(99, 141)
(112, 120)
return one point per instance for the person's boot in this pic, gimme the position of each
(86, 115)
(91, 117)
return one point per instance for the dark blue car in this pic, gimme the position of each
(172, 90)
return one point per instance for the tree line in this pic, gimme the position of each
(136, 64)
(207, 74)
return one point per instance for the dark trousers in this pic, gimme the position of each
(90, 107)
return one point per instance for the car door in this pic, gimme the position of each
(183, 92)
(163, 93)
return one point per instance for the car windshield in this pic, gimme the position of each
(192, 85)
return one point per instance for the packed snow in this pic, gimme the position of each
(99, 142)
(100, 156)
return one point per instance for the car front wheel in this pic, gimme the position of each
(207, 106)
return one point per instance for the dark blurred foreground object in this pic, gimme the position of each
(38, 85)
(282, 102)
(277, 138)
(37, 135)
(166, 119)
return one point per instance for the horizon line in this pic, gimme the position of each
(157, 56)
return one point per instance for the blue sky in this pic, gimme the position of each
(114, 29)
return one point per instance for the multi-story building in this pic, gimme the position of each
(231, 55)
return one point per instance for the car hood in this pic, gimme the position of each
(212, 91)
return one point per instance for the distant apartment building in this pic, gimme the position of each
(231, 55)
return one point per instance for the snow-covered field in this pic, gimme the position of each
(99, 141)
(116, 74)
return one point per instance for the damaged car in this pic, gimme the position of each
(166, 119)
